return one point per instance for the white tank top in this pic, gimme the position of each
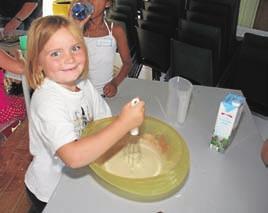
(101, 53)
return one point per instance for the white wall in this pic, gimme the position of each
(247, 12)
(47, 7)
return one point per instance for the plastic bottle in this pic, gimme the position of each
(81, 10)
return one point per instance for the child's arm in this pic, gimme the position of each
(84, 151)
(26, 10)
(264, 152)
(121, 39)
(10, 63)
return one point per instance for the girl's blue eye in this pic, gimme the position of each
(55, 54)
(76, 48)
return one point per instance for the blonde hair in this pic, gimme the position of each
(41, 30)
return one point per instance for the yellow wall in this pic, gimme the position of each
(60, 9)
(247, 13)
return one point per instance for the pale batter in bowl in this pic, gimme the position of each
(149, 165)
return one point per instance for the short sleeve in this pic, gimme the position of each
(100, 107)
(54, 126)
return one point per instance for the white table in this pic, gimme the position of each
(233, 182)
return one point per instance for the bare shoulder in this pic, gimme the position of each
(118, 29)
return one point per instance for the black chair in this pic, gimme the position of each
(154, 11)
(153, 51)
(227, 9)
(248, 71)
(132, 4)
(158, 18)
(125, 9)
(162, 16)
(166, 29)
(161, 8)
(140, 4)
(191, 62)
(203, 36)
(215, 21)
(179, 5)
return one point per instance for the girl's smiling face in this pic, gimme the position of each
(63, 59)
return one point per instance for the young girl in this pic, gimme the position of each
(61, 107)
(11, 107)
(102, 40)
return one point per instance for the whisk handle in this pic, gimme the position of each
(134, 131)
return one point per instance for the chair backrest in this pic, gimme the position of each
(126, 10)
(132, 4)
(166, 29)
(154, 49)
(225, 8)
(140, 4)
(160, 8)
(209, 8)
(203, 36)
(233, 4)
(208, 19)
(248, 72)
(122, 14)
(215, 21)
(191, 62)
(158, 18)
(179, 5)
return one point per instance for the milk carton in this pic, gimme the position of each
(227, 120)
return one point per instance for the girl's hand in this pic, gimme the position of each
(132, 116)
(110, 89)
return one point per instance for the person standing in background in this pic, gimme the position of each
(11, 107)
(19, 14)
(103, 39)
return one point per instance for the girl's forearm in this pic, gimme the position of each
(123, 73)
(86, 150)
(9, 63)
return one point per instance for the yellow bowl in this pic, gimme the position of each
(170, 180)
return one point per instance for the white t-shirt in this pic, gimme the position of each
(101, 54)
(57, 117)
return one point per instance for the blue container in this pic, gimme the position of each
(82, 10)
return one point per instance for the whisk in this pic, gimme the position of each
(133, 149)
